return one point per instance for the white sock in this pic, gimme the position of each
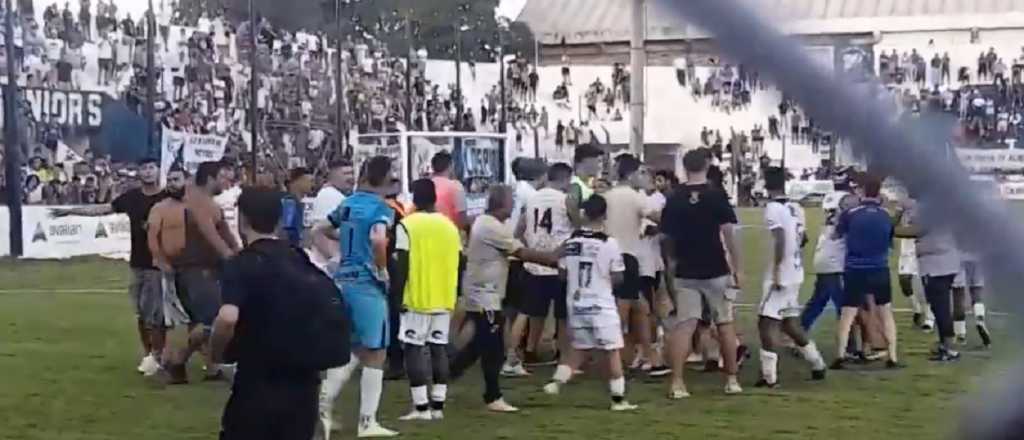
(512, 357)
(960, 328)
(331, 387)
(617, 387)
(915, 303)
(769, 366)
(811, 353)
(370, 387)
(562, 374)
(929, 317)
(979, 312)
(438, 393)
(419, 398)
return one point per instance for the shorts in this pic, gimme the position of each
(908, 265)
(106, 64)
(860, 283)
(147, 292)
(606, 338)
(629, 290)
(970, 276)
(649, 286)
(424, 328)
(543, 290)
(368, 313)
(178, 81)
(780, 303)
(199, 292)
(515, 286)
(691, 296)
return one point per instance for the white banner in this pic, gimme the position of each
(44, 237)
(189, 149)
(987, 161)
(1012, 190)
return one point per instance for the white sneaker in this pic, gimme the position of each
(552, 388)
(142, 363)
(517, 370)
(326, 426)
(436, 414)
(623, 406)
(373, 429)
(416, 415)
(733, 388)
(679, 394)
(500, 406)
(149, 366)
(695, 358)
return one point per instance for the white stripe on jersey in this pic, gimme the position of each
(547, 226)
(590, 258)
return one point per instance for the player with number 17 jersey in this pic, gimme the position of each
(590, 259)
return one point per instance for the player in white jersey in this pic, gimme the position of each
(592, 266)
(908, 277)
(546, 223)
(780, 305)
(969, 281)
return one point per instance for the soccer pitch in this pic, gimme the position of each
(68, 351)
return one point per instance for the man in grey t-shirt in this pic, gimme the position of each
(938, 263)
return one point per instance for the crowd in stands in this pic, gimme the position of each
(202, 79)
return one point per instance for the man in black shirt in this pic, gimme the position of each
(146, 287)
(269, 401)
(698, 227)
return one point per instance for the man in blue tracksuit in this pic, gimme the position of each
(868, 230)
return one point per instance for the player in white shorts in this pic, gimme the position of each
(592, 264)
(908, 277)
(969, 281)
(780, 306)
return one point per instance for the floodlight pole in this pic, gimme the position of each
(637, 57)
(253, 94)
(11, 141)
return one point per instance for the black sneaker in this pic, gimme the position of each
(894, 365)
(176, 374)
(762, 383)
(659, 371)
(742, 354)
(918, 320)
(945, 355)
(818, 374)
(839, 364)
(986, 337)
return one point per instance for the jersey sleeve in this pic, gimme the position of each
(401, 238)
(611, 256)
(335, 216)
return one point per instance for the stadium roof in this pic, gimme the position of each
(604, 21)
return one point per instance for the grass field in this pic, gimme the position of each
(68, 351)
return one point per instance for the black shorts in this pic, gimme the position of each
(541, 292)
(515, 287)
(630, 288)
(199, 292)
(648, 286)
(179, 81)
(859, 283)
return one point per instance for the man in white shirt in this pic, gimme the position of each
(340, 181)
(106, 61)
(627, 209)
(780, 304)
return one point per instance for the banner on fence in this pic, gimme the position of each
(188, 151)
(987, 161)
